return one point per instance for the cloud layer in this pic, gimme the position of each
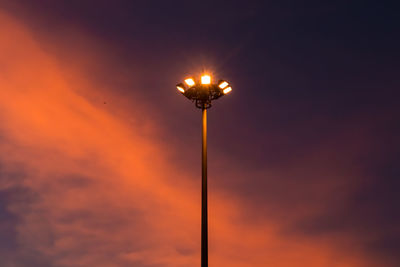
(83, 186)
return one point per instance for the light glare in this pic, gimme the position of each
(227, 90)
(205, 79)
(223, 84)
(190, 81)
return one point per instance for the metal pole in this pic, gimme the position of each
(204, 204)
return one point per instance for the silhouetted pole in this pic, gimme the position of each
(204, 204)
(202, 93)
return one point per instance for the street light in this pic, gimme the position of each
(202, 93)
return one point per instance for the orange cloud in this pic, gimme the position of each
(99, 191)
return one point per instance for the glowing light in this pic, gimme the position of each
(180, 88)
(227, 90)
(190, 82)
(223, 84)
(205, 79)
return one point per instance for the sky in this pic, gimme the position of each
(100, 154)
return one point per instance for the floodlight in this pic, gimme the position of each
(203, 92)
(206, 79)
(223, 84)
(190, 81)
(227, 90)
(181, 87)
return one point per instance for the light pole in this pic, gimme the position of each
(202, 93)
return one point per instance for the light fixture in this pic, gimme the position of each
(206, 79)
(181, 87)
(202, 95)
(223, 84)
(190, 81)
(227, 90)
(205, 92)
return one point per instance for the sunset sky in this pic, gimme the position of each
(100, 154)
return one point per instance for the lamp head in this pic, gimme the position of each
(206, 79)
(190, 82)
(205, 91)
(181, 87)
